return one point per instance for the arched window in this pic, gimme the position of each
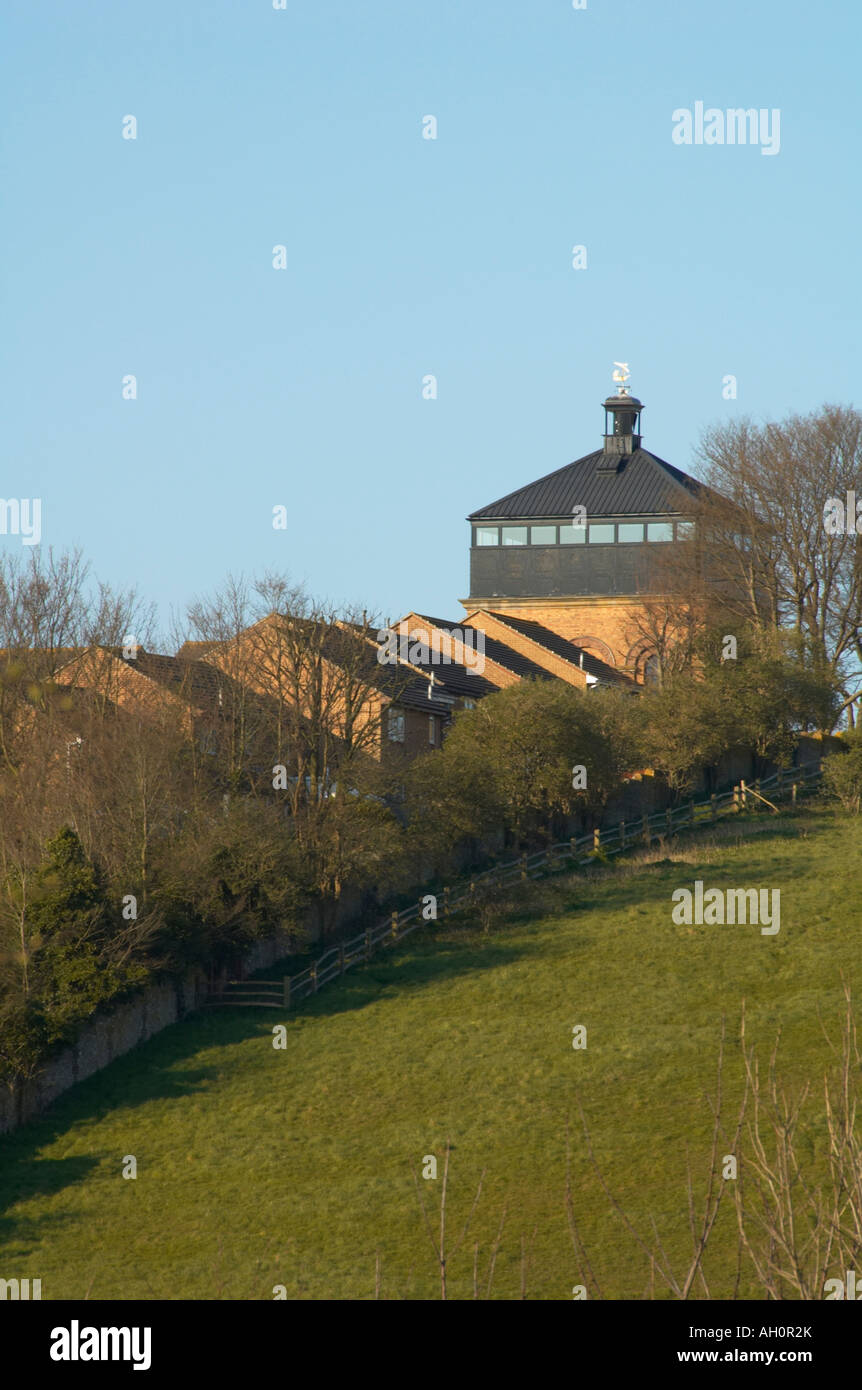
(596, 647)
(651, 668)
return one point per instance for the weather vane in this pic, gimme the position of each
(621, 376)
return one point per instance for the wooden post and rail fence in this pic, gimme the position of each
(576, 852)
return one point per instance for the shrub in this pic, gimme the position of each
(842, 773)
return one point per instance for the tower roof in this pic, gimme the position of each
(623, 401)
(642, 484)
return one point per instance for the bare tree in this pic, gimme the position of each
(438, 1244)
(763, 542)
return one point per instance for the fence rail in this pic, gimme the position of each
(576, 852)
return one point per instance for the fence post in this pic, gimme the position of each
(793, 798)
(286, 995)
(573, 849)
(394, 925)
(646, 829)
(523, 866)
(445, 902)
(622, 834)
(742, 794)
(314, 978)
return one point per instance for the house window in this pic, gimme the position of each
(659, 530)
(396, 726)
(543, 535)
(630, 531)
(514, 535)
(487, 535)
(573, 535)
(469, 704)
(432, 729)
(601, 534)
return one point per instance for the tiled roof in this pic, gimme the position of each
(496, 651)
(642, 485)
(456, 678)
(415, 695)
(560, 646)
(193, 679)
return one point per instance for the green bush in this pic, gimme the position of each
(842, 773)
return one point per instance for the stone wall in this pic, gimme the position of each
(107, 1037)
(113, 1034)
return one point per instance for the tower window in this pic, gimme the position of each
(659, 531)
(601, 534)
(543, 535)
(630, 531)
(514, 535)
(487, 535)
(573, 535)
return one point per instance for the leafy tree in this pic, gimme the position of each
(227, 880)
(511, 762)
(70, 924)
(64, 951)
(760, 700)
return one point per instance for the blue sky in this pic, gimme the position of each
(302, 127)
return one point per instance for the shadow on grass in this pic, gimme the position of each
(691, 856)
(163, 1068)
(25, 1175)
(424, 960)
(146, 1073)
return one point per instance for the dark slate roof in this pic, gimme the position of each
(392, 680)
(496, 651)
(569, 651)
(415, 696)
(642, 485)
(456, 679)
(191, 680)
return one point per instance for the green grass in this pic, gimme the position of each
(259, 1167)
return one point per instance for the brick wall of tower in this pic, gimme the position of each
(603, 626)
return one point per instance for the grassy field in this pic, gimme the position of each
(259, 1167)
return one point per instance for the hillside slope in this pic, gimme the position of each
(259, 1167)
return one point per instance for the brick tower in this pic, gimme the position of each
(576, 550)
